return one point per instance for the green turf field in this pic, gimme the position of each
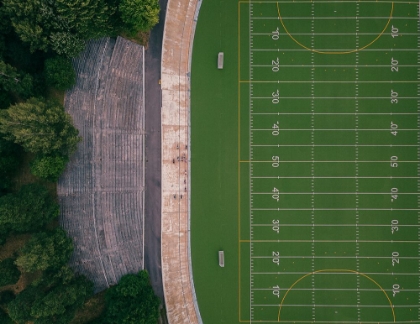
(306, 162)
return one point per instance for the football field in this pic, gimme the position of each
(329, 161)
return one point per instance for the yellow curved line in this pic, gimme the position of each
(335, 270)
(336, 53)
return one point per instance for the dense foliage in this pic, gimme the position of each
(19, 84)
(6, 296)
(139, 15)
(40, 126)
(62, 26)
(4, 318)
(27, 210)
(53, 299)
(38, 38)
(49, 167)
(9, 272)
(45, 250)
(9, 162)
(132, 301)
(59, 73)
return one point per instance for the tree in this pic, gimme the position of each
(49, 167)
(5, 99)
(9, 161)
(9, 272)
(4, 318)
(40, 126)
(27, 210)
(139, 15)
(52, 299)
(20, 308)
(45, 250)
(63, 300)
(5, 29)
(61, 25)
(132, 301)
(19, 83)
(59, 73)
(6, 296)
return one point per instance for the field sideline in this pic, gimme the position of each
(306, 162)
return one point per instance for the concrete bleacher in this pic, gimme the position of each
(101, 192)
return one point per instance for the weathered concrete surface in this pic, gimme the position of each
(176, 271)
(101, 193)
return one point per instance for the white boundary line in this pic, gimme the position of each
(144, 154)
(250, 26)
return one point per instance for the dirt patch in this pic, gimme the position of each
(13, 244)
(141, 38)
(92, 309)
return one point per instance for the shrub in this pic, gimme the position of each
(132, 301)
(6, 296)
(4, 318)
(9, 272)
(27, 210)
(59, 73)
(45, 250)
(49, 167)
(139, 15)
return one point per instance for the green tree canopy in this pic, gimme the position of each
(53, 299)
(6, 296)
(61, 302)
(9, 272)
(11, 81)
(60, 25)
(49, 167)
(20, 308)
(59, 73)
(27, 210)
(4, 318)
(45, 250)
(139, 15)
(132, 301)
(9, 161)
(40, 126)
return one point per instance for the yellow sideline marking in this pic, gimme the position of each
(334, 53)
(335, 270)
(239, 158)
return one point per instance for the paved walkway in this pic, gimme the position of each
(176, 267)
(153, 174)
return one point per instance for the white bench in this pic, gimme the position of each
(221, 259)
(220, 59)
